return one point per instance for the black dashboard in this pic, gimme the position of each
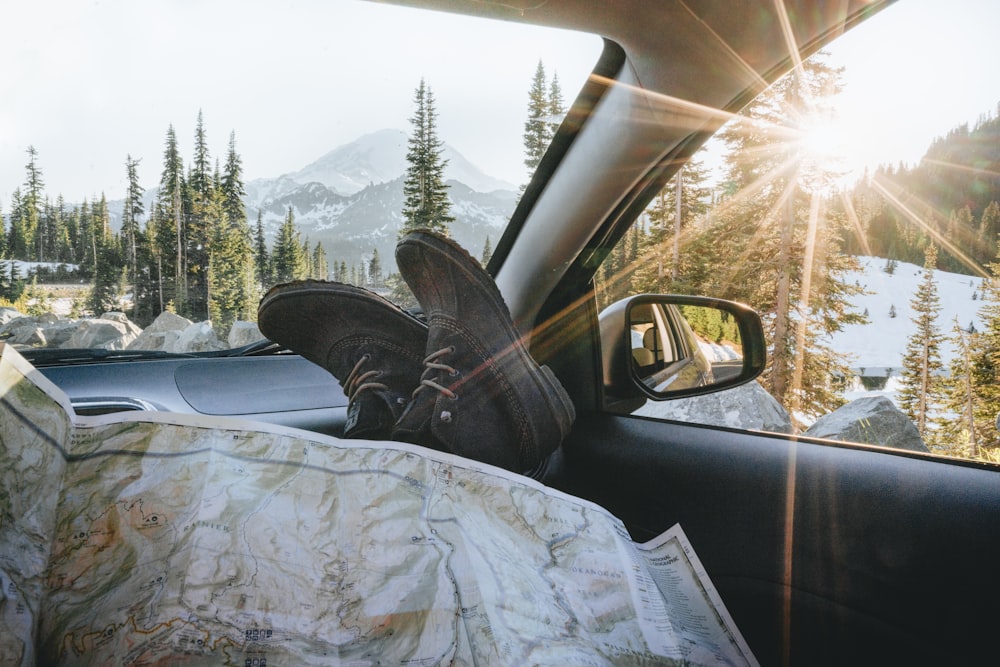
(280, 389)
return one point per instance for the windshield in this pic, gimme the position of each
(165, 163)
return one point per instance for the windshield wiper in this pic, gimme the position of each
(57, 357)
(40, 357)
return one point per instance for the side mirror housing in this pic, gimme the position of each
(668, 346)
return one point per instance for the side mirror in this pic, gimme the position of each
(669, 346)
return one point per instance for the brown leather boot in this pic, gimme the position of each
(373, 348)
(481, 394)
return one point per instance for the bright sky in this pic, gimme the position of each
(90, 82)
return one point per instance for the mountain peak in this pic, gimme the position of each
(380, 157)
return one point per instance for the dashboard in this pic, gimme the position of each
(279, 389)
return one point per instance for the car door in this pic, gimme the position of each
(825, 553)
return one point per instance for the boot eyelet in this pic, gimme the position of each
(454, 373)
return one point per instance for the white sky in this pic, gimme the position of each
(89, 82)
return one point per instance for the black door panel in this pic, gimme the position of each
(892, 558)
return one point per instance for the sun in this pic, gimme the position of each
(822, 148)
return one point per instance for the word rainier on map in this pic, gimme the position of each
(152, 538)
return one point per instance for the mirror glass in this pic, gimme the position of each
(681, 347)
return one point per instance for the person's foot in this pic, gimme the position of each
(373, 348)
(481, 394)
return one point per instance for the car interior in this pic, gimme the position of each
(825, 553)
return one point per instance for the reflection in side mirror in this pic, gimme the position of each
(683, 347)
(661, 346)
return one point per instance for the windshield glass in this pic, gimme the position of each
(167, 162)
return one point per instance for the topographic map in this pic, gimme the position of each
(147, 538)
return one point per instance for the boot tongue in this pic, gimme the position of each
(414, 426)
(370, 416)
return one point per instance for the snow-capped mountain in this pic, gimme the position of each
(351, 199)
(374, 158)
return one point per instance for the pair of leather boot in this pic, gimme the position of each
(462, 382)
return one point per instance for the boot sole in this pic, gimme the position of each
(299, 316)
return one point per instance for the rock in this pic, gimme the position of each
(28, 335)
(16, 323)
(748, 406)
(874, 420)
(47, 318)
(59, 332)
(104, 334)
(114, 316)
(162, 333)
(244, 333)
(7, 314)
(198, 337)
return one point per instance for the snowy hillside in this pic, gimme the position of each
(877, 348)
(881, 343)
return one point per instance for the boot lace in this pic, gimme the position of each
(358, 381)
(432, 363)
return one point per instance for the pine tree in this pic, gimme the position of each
(556, 106)
(487, 253)
(321, 267)
(104, 295)
(232, 289)
(132, 211)
(985, 360)
(286, 259)
(426, 204)
(921, 385)
(233, 190)
(204, 213)
(775, 241)
(261, 257)
(958, 434)
(375, 277)
(31, 212)
(537, 130)
(989, 229)
(672, 259)
(169, 228)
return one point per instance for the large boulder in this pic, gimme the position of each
(244, 333)
(198, 337)
(16, 321)
(162, 333)
(28, 335)
(7, 314)
(101, 333)
(748, 406)
(873, 420)
(60, 331)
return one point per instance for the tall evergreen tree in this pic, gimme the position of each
(958, 434)
(233, 190)
(31, 213)
(555, 106)
(426, 204)
(921, 384)
(232, 280)
(320, 264)
(132, 212)
(985, 360)
(286, 259)
(537, 129)
(375, 277)
(775, 241)
(261, 256)
(487, 253)
(170, 241)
